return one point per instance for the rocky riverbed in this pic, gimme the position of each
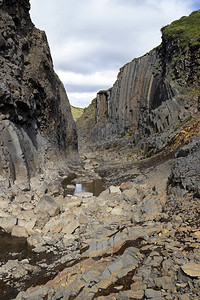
(133, 241)
(133, 231)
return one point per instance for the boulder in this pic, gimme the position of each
(48, 205)
(19, 231)
(7, 224)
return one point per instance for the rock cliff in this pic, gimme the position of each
(152, 93)
(139, 239)
(36, 125)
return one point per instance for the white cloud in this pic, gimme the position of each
(92, 79)
(81, 99)
(91, 39)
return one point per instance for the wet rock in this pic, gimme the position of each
(48, 205)
(12, 265)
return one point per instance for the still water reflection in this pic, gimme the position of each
(95, 187)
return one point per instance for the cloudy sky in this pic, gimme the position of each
(91, 39)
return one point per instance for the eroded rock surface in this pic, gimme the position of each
(132, 241)
(35, 116)
(151, 98)
(139, 239)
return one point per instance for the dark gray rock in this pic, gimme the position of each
(143, 103)
(185, 172)
(2, 41)
(35, 117)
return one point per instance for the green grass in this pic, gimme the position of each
(186, 30)
(90, 111)
(76, 112)
(102, 92)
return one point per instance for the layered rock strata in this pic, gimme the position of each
(151, 94)
(36, 126)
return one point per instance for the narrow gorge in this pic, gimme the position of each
(133, 233)
(152, 94)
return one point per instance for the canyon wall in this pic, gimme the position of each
(36, 125)
(151, 94)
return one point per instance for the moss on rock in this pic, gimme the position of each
(186, 30)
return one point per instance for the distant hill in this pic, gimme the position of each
(76, 112)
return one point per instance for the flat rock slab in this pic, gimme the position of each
(192, 269)
(84, 195)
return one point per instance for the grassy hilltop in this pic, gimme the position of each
(186, 30)
(76, 112)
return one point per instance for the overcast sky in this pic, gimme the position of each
(91, 39)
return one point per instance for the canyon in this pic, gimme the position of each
(138, 237)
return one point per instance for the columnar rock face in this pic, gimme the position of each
(150, 92)
(35, 116)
